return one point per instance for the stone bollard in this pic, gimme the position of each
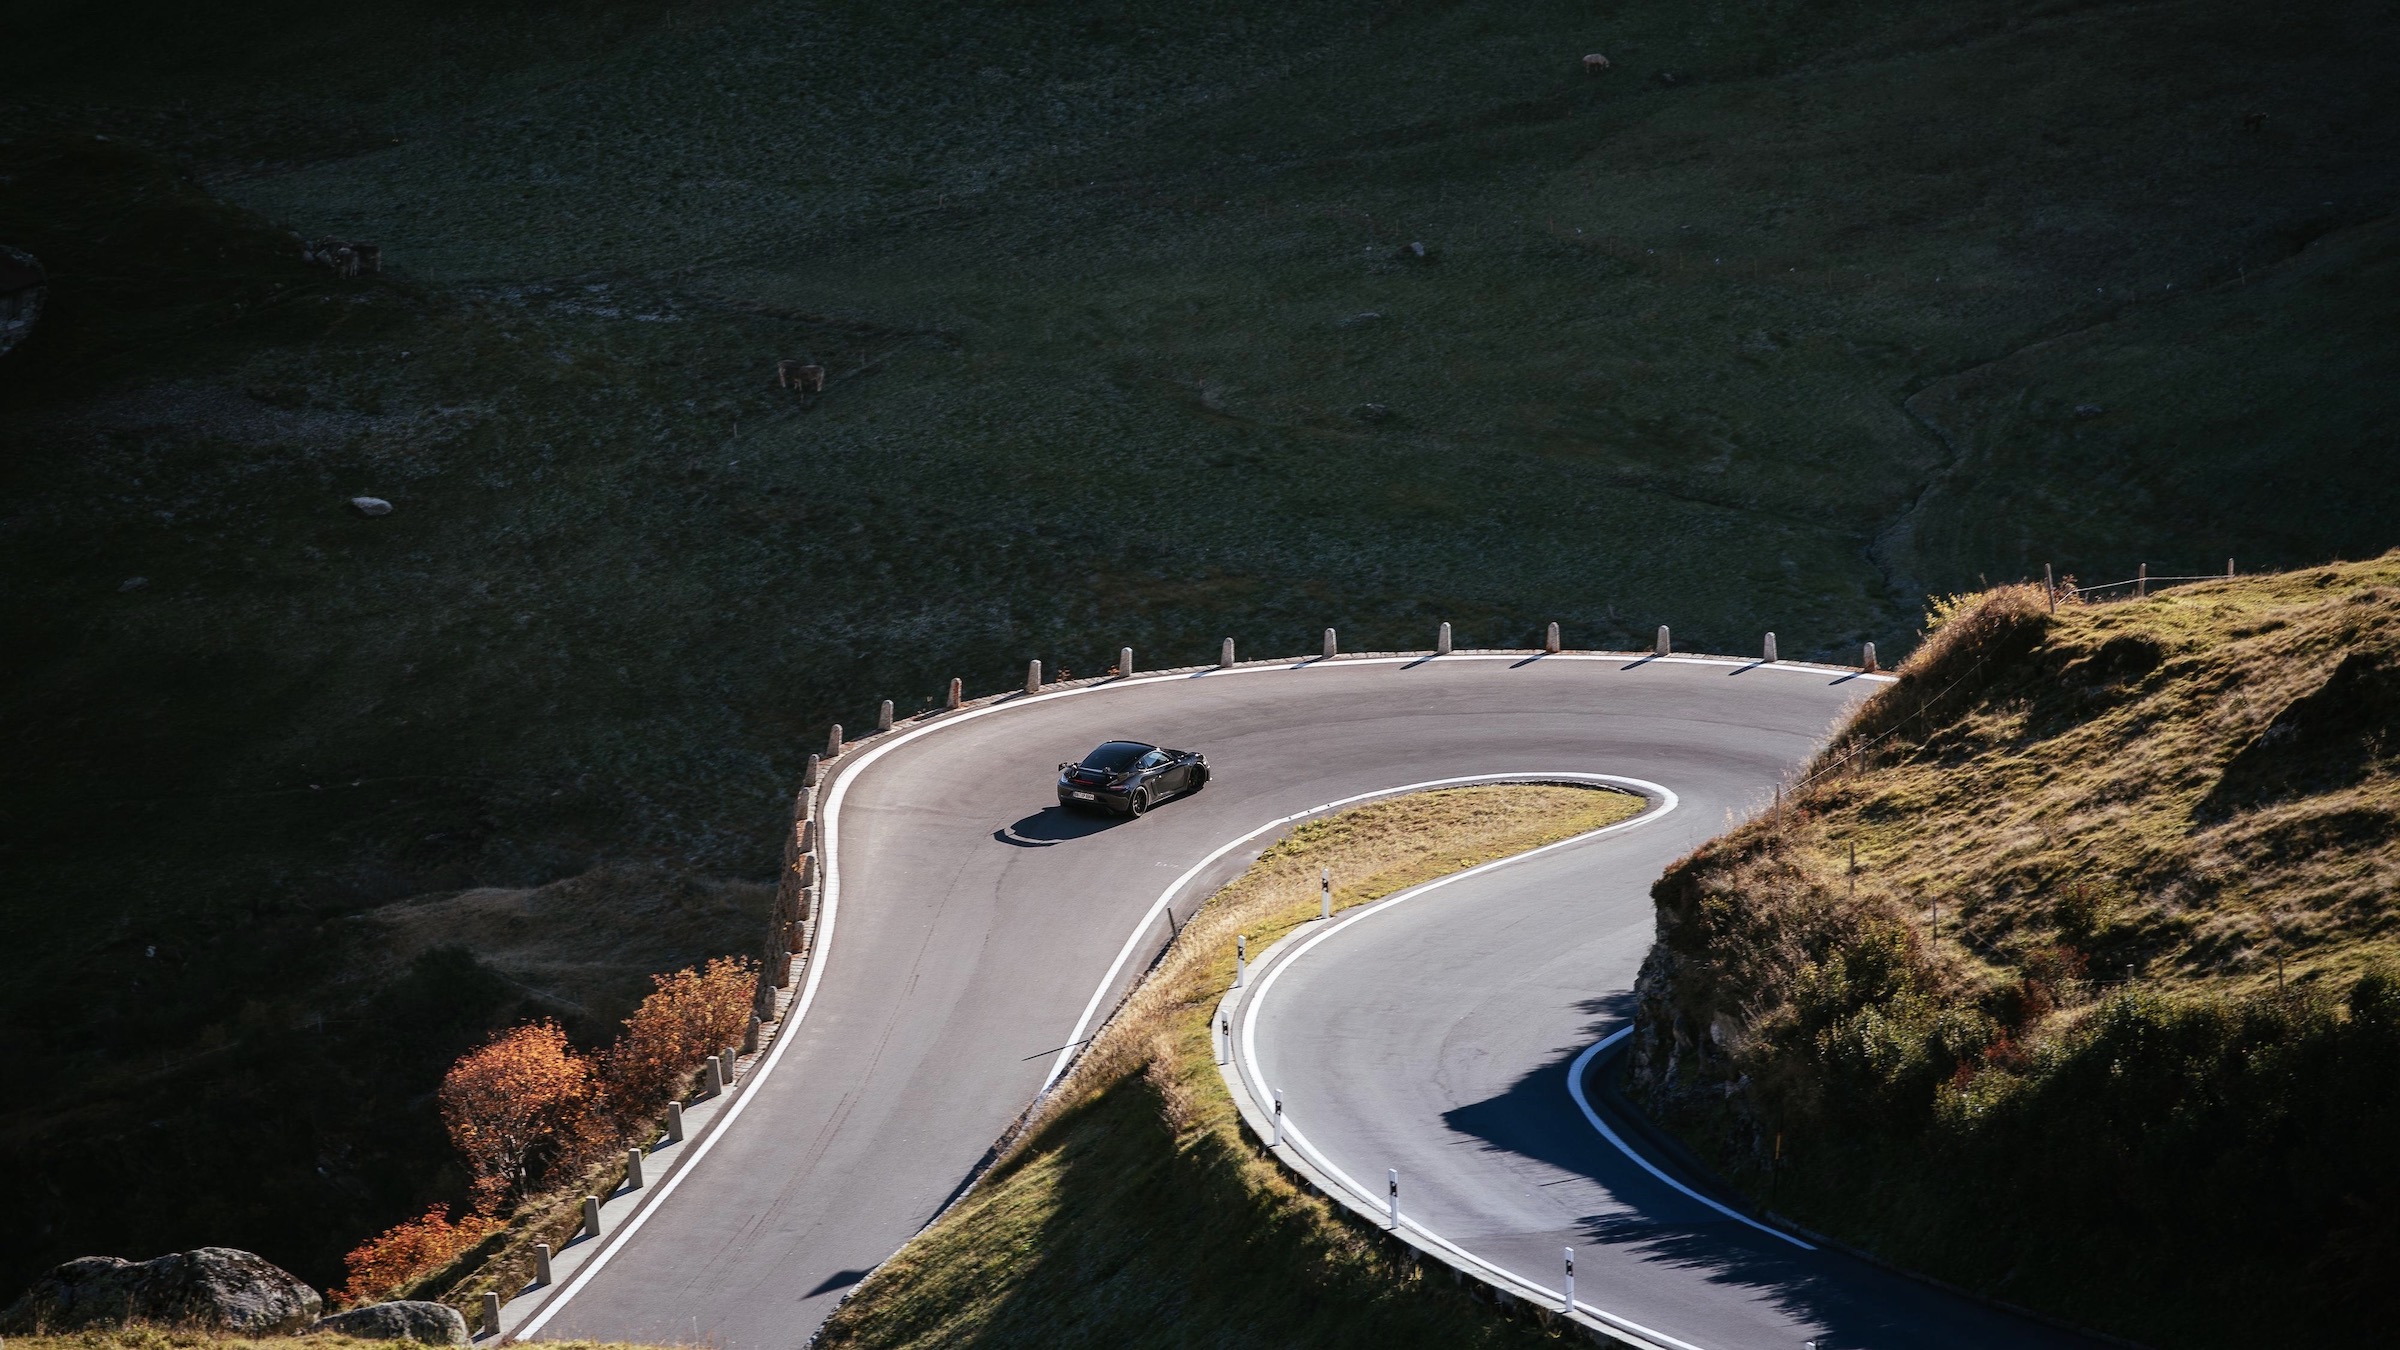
(808, 772)
(750, 1037)
(783, 968)
(1033, 677)
(491, 1314)
(833, 742)
(1329, 647)
(1770, 652)
(958, 693)
(794, 939)
(1441, 641)
(1550, 640)
(541, 1263)
(633, 1169)
(1664, 646)
(1124, 661)
(805, 837)
(674, 1122)
(883, 716)
(716, 1076)
(591, 1216)
(1225, 653)
(1866, 659)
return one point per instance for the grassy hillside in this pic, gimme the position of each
(2073, 972)
(1134, 1211)
(1780, 322)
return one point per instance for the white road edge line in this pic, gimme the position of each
(832, 891)
(1295, 1138)
(1584, 1104)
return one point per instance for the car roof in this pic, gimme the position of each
(1130, 745)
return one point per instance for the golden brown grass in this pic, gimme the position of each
(1132, 1211)
(146, 1336)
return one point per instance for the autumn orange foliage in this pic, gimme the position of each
(689, 1016)
(408, 1251)
(525, 1098)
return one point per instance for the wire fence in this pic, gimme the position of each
(2134, 587)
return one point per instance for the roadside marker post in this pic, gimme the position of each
(1325, 879)
(1770, 652)
(1866, 659)
(1225, 653)
(541, 1264)
(674, 1122)
(1550, 640)
(491, 1313)
(1441, 641)
(1124, 661)
(591, 1216)
(958, 694)
(1241, 958)
(883, 716)
(1394, 1183)
(808, 774)
(833, 742)
(1570, 1255)
(633, 1169)
(716, 1076)
(1033, 677)
(1664, 646)
(1329, 648)
(1224, 1039)
(1277, 1141)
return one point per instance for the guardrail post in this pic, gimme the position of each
(1329, 648)
(541, 1263)
(491, 1313)
(1664, 646)
(633, 1169)
(1395, 1192)
(674, 1122)
(2141, 580)
(1441, 641)
(833, 742)
(1225, 653)
(1124, 661)
(1241, 958)
(1325, 906)
(1569, 1253)
(1033, 677)
(1550, 640)
(883, 716)
(716, 1076)
(958, 694)
(591, 1216)
(1277, 1141)
(808, 774)
(1866, 659)
(1770, 647)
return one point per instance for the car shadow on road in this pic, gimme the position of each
(1841, 1297)
(1052, 826)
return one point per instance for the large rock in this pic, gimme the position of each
(405, 1320)
(213, 1287)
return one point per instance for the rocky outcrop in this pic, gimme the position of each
(416, 1320)
(218, 1288)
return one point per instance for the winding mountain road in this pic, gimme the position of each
(972, 931)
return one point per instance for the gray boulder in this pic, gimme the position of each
(409, 1319)
(371, 506)
(217, 1288)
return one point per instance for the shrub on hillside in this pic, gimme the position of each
(521, 1103)
(689, 1016)
(409, 1251)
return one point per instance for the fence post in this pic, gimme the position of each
(883, 716)
(2141, 581)
(1664, 646)
(2050, 586)
(491, 1313)
(1866, 659)
(1325, 879)
(633, 1169)
(2229, 569)
(833, 742)
(1770, 647)
(541, 1263)
(1033, 677)
(674, 1122)
(1225, 653)
(591, 1216)
(1550, 640)
(957, 693)
(1441, 641)
(1569, 1253)
(1124, 661)
(1394, 1183)
(1329, 648)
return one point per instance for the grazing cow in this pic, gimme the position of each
(1594, 64)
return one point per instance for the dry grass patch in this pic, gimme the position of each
(1132, 1211)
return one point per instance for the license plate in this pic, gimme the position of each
(1085, 797)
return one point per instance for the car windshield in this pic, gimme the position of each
(1116, 756)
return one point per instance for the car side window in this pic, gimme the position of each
(1153, 760)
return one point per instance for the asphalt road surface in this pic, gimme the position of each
(972, 924)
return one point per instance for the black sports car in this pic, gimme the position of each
(1130, 776)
